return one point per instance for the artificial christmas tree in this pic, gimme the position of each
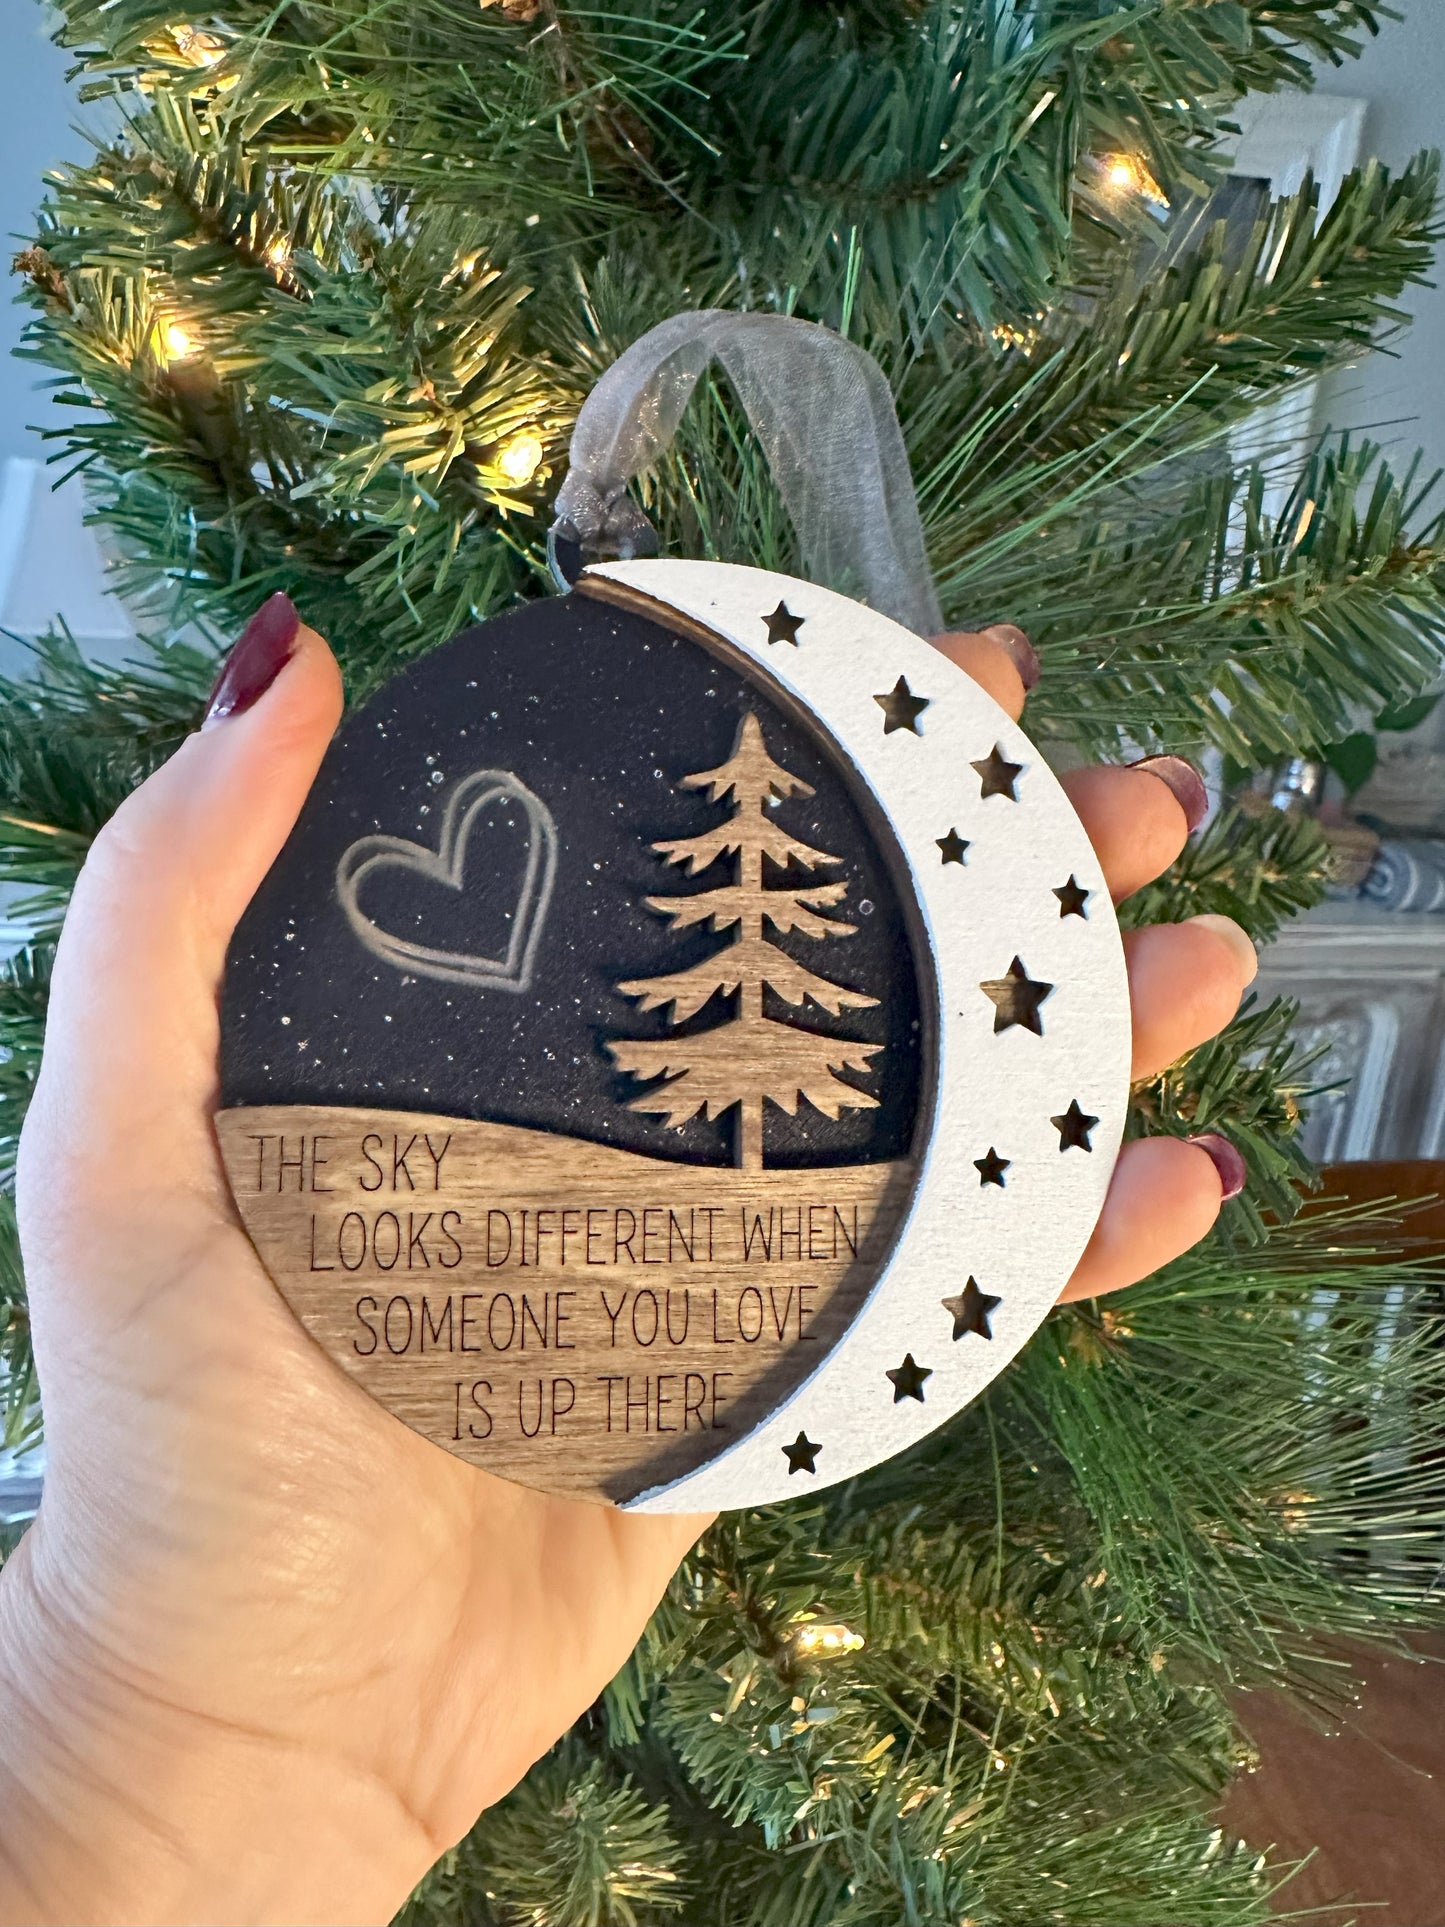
(323, 309)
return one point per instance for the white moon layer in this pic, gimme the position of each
(1000, 1090)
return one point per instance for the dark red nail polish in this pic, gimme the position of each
(1185, 781)
(1226, 1160)
(1020, 650)
(260, 654)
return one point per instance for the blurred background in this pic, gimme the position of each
(48, 562)
(1368, 967)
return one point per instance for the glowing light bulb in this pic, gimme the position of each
(179, 342)
(1024, 339)
(197, 47)
(826, 1641)
(1128, 174)
(522, 456)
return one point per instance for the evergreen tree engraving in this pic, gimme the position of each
(750, 1056)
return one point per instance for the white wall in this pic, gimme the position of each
(36, 111)
(48, 560)
(49, 563)
(1402, 77)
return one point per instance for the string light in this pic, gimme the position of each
(1295, 1513)
(1024, 340)
(179, 343)
(474, 269)
(190, 376)
(826, 1640)
(1128, 175)
(521, 457)
(195, 46)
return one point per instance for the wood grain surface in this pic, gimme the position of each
(566, 1314)
(748, 1059)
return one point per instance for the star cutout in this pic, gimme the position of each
(1016, 999)
(801, 1454)
(783, 625)
(991, 1169)
(971, 1311)
(1073, 1127)
(953, 846)
(901, 708)
(998, 775)
(907, 1379)
(1072, 897)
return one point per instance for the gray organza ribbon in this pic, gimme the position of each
(825, 419)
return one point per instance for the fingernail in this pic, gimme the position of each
(257, 659)
(1226, 1161)
(1019, 650)
(1239, 940)
(1185, 781)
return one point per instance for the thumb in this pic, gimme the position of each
(128, 1075)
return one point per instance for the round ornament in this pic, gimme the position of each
(680, 1055)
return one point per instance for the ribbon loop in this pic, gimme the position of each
(824, 416)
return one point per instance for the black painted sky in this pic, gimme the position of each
(600, 712)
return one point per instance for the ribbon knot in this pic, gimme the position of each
(824, 416)
(612, 522)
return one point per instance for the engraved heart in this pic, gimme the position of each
(476, 794)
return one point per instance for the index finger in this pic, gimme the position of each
(1000, 658)
(1137, 817)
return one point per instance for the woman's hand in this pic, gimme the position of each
(266, 1653)
(1185, 980)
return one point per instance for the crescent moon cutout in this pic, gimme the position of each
(995, 1090)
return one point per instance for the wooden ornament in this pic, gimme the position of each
(681, 1053)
